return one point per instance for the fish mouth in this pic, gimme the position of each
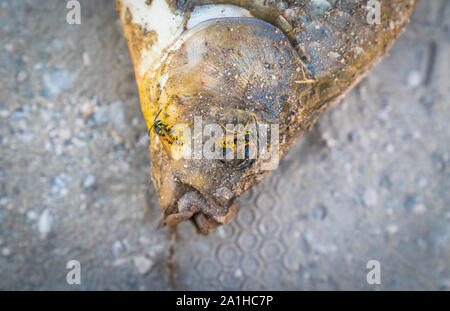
(206, 214)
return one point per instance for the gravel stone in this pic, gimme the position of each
(45, 223)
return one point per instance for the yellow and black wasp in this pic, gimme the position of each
(241, 142)
(164, 131)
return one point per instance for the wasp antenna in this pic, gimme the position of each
(158, 113)
(154, 121)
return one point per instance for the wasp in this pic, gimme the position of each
(164, 131)
(241, 142)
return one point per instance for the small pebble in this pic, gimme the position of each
(4, 113)
(57, 80)
(334, 55)
(390, 148)
(64, 134)
(143, 264)
(9, 47)
(63, 192)
(58, 149)
(422, 182)
(392, 229)
(238, 273)
(32, 215)
(45, 223)
(419, 209)
(38, 66)
(370, 197)
(86, 59)
(117, 248)
(4, 201)
(89, 182)
(6, 251)
(21, 76)
(414, 79)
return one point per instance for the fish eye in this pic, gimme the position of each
(238, 164)
(234, 163)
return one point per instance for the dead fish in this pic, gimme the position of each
(226, 86)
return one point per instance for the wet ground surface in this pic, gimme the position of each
(370, 182)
